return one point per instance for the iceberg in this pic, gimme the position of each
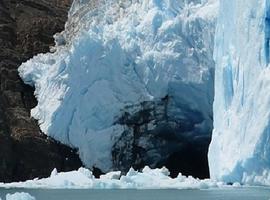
(240, 147)
(146, 179)
(20, 196)
(124, 73)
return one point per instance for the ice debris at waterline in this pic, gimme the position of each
(19, 196)
(147, 179)
(240, 147)
(117, 54)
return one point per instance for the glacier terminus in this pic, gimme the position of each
(128, 75)
(134, 82)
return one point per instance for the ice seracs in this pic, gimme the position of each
(123, 69)
(240, 147)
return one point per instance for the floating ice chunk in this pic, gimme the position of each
(54, 172)
(20, 196)
(111, 175)
(132, 172)
(147, 179)
(86, 172)
(236, 184)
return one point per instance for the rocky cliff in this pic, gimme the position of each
(26, 29)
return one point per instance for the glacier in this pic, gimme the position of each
(240, 147)
(128, 82)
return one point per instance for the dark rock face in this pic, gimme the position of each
(155, 138)
(26, 29)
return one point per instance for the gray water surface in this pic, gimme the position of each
(213, 194)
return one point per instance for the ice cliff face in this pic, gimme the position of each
(240, 149)
(129, 82)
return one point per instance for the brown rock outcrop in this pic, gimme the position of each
(26, 29)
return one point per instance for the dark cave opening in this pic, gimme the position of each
(191, 160)
(154, 138)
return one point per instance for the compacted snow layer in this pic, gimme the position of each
(240, 147)
(147, 179)
(115, 54)
(19, 196)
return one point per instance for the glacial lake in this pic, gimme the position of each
(253, 193)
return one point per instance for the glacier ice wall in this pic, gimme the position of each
(117, 55)
(240, 147)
